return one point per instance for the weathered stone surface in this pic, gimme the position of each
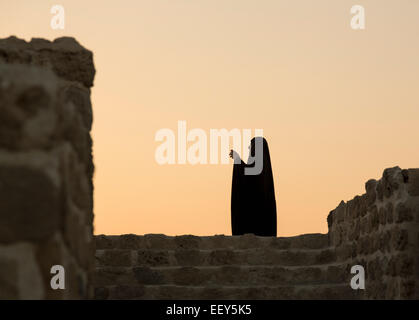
(101, 293)
(388, 245)
(162, 242)
(154, 258)
(223, 256)
(28, 102)
(8, 278)
(146, 275)
(126, 292)
(46, 167)
(215, 257)
(106, 276)
(29, 204)
(21, 277)
(371, 195)
(389, 213)
(65, 56)
(413, 180)
(392, 179)
(403, 213)
(116, 257)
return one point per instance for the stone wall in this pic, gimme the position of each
(380, 231)
(46, 211)
(46, 168)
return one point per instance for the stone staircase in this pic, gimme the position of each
(156, 266)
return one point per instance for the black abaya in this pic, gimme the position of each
(253, 206)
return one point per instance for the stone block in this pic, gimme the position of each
(65, 56)
(413, 182)
(403, 213)
(30, 200)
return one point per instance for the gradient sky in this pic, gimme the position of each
(337, 106)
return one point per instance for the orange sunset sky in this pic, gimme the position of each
(337, 106)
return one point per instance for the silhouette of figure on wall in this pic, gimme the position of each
(253, 206)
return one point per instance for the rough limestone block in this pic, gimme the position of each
(65, 56)
(413, 181)
(30, 196)
(46, 167)
(20, 276)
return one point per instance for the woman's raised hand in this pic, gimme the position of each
(234, 154)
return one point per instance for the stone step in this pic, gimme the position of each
(214, 257)
(232, 275)
(248, 241)
(173, 292)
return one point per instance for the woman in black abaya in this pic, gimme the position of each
(253, 206)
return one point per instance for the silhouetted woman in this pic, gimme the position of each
(253, 206)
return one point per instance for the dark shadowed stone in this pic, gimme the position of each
(293, 257)
(130, 241)
(392, 290)
(364, 224)
(340, 212)
(221, 256)
(65, 56)
(337, 274)
(79, 96)
(344, 252)
(356, 209)
(384, 241)
(115, 257)
(371, 195)
(146, 275)
(330, 219)
(153, 257)
(390, 180)
(389, 213)
(159, 241)
(9, 282)
(376, 289)
(249, 240)
(189, 276)
(399, 239)
(403, 213)
(413, 179)
(185, 257)
(382, 215)
(405, 265)
(11, 120)
(407, 289)
(101, 293)
(355, 230)
(373, 220)
(106, 276)
(187, 242)
(281, 243)
(33, 99)
(363, 206)
(104, 242)
(380, 190)
(310, 241)
(29, 204)
(127, 292)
